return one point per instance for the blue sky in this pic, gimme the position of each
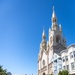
(21, 25)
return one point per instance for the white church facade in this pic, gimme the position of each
(52, 51)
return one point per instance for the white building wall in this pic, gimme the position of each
(70, 60)
(50, 55)
(44, 57)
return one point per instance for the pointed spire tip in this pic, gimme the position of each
(43, 30)
(53, 8)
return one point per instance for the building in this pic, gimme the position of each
(68, 59)
(55, 44)
(57, 63)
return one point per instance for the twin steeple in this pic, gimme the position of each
(54, 20)
(43, 34)
(43, 43)
(53, 14)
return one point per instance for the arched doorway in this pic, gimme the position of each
(43, 73)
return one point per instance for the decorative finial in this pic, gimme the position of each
(60, 27)
(43, 32)
(53, 14)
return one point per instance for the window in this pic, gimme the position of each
(55, 61)
(58, 39)
(63, 59)
(43, 63)
(74, 53)
(72, 66)
(67, 67)
(71, 55)
(64, 67)
(66, 57)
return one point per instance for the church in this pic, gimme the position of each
(54, 55)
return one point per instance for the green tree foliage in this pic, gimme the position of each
(51, 74)
(63, 72)
(3, 71)
(60, 73)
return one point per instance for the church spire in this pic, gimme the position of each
(53, 14)
(43, 34)
(43, 44)
(54, 20)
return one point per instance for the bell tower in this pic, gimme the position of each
(54, 21)
(56, 40)
(43, 42)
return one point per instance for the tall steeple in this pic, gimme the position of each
(43, 39)
(54, 20)
(53, 14)
(55, 34)
(43, 35)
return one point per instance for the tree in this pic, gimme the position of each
(51, 74)
(63, 72)
(60, 73)
(3, 71)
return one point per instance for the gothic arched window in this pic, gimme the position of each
(58, 39)
(43, 63)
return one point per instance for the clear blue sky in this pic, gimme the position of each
(21, 25)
